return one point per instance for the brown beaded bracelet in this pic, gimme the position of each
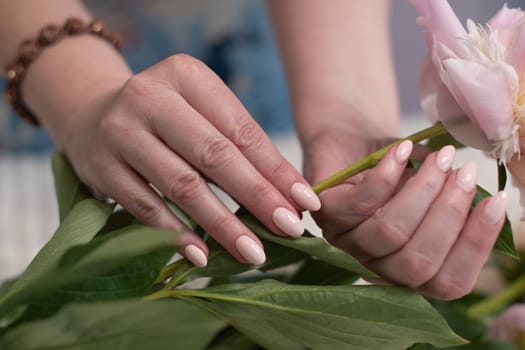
(30, 49)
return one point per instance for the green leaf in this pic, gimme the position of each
(118, 220)
(166, 324)
(80, 226)
(437, 142)
(105, 257)
(106, 253)
(117, 247)
(474, 330)
(478, 345)
(505, 242)
(317, 272)
(502, 176)
(313, 246)
(9, 317)
(222, 264)
(68, 187)
(231, 339)
(132, 279)
(185, 218)
(6, 285)
(284, 317)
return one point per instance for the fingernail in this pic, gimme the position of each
(250, 250)
(288, 222)
(445, 158)
(467, 176)
(305, 197)
(495, 208)
(195, 255)
(403, 151)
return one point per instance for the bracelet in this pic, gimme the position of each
(30, 49)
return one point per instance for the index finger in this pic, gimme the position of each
(228, 115)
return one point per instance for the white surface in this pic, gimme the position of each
(28, 212)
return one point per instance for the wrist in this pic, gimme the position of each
(69, 76)
(357, 118)
(86, 113)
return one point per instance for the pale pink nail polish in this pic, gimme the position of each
(305, 197)
(288, 222)
(250, 250)
(445, 158)
(467, 176)
(495, 208)
(195, 255)
(403, 151)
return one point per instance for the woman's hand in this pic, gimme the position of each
(175, 126)
(412, 229)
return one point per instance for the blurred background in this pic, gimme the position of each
(234, 38)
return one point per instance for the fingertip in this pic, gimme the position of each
(187, 237)
(305, 197)
(403, 151)
(288, 222)
(466, 177)
(195, 255)
(445, 158)
(495, 208)
(250, 250)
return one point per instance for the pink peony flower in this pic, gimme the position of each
(510, 325)
(473, 79)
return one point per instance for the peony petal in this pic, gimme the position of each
(442, 22)
(458, 124)
(441, 53)
(484, 93)
(505, 22)
(421, 7)
(428, 90)
(516, 53)
(439, 105)
(509, 323)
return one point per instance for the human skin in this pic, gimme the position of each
(122, 131)
(342, 86)
(171, 125)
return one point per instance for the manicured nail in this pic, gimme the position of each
(467, 176)
(288, 222)
(495, 208)
(445, 158)
(195, 255)
(403, 151)
(250, 250)
(305, 197)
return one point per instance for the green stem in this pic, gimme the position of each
(169, 270)
(372, 159)
(161, 294)
(174, 282)
(196, 293)
(499, 301)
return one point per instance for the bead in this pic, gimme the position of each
(28, 50)
(98, 28)
(14, 72)
(49, 34)
(116, 41)
(74, 26)
(11, 94)
(27, 115)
